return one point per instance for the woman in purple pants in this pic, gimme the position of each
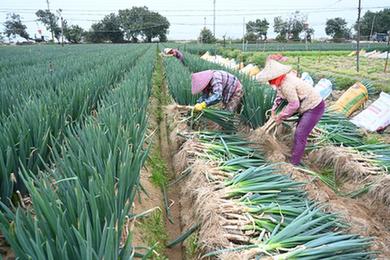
(301, 98)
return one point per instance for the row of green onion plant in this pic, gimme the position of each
(81, 207)
(30, 82)
(29, 134)
(260, 211)
(14, 58)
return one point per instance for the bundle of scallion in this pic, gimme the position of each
(227, 120)
(262, 212)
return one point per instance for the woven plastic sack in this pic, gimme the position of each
(247, 68)
(324, 88)
(351, 100)
(376, 116)
(254, 71)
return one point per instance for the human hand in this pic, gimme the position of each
(200, 106)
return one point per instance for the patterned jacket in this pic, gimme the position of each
(222, 87)
(300, 95)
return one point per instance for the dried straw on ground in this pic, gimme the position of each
(347, 164)
(380, 191)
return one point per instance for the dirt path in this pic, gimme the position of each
(173, 221)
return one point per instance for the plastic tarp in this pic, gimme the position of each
(324, 88)
(307, 78)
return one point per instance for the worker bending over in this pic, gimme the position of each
(301, 98)
(168, 52)
(217, 86)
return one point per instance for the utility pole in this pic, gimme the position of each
(204, 22)
(62, 26)
(388, 50)
(372, 27)
(243, 33)
(358, 37)
(214, 20)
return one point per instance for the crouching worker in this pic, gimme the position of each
(217, 86)
(301, 98)
(168, 52)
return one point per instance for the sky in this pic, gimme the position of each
(187, 18)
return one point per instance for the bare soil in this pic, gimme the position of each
(174, 229)
(5, 250)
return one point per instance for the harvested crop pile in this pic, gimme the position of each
(246, 207)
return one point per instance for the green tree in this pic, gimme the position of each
(112, 28)
(295, 25)
(281, 28)
(309, 33)
(14, 26)
(251, 37)
(155, 25)
(337, 29)
(73, 33)
(50, 21)
(108, 29)
(259, 28)
(96, 34)
(206, 36)
(139, 21)
(378, 21)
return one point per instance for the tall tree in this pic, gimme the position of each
(296, 25)
(50, 20)
(379, 22)
(139, 21)
(108, 29)
(281, 28)
(259, 28)
(96, 34)
(309, 33)
(73, 33)
(155, 25)
(206, 36)
(112, 28)
(14, 26)
(337, 29)
(251, 37)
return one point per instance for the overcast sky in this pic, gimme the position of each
(187, 17)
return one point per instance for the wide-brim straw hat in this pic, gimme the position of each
(272, 70)
(200, 80)
(167, 50)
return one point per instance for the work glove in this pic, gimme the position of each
(200, 106)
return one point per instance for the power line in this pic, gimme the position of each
(253, 12)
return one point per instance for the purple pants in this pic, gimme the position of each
(306, 123)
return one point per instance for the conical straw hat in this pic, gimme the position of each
(167, 50)
(272, 70)
(200, 80)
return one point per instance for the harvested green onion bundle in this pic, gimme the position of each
(227, 120)
(260, 211)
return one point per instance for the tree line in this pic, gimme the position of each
(291, 28)
(141, 24)
(129, 25)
